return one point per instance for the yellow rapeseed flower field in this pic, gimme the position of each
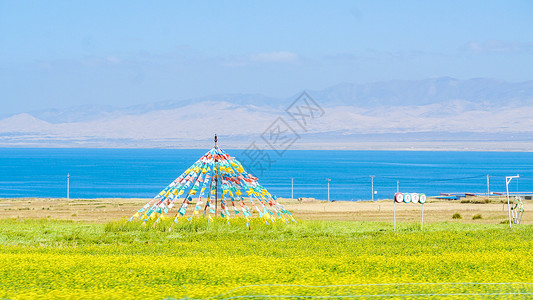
(65, 260)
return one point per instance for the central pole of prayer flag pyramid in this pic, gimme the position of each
(216, 180)
(216, 190)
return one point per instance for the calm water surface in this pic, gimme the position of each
(144, 172)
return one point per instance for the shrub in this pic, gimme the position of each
(457, 216)
(476, 217)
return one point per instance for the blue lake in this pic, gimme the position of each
(144, 172)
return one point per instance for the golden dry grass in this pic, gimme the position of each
(383, 211)
(105, 210)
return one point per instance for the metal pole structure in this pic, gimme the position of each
(372, 176)
(488, 189)
(397, 186)
(328, 179)
(507, 180)
(422, 221)
(68, 186)
(292, 188)
(394, 209)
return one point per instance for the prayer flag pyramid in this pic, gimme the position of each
(217, 184)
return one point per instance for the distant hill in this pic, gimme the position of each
(96, 112)
(409, 114)
(482, 91)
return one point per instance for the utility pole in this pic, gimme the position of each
(328, 179)
(292, 188)
(372, 176)
(507, 180)
(488, 189)
(68, 186)
(397, 186)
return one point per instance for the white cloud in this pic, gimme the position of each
(113, 59)
(497, 46)
(281, 56)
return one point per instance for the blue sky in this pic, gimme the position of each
(56, 54)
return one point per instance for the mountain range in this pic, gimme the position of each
(437, 113)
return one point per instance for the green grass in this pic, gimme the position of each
(61, 259)
(477, 217)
